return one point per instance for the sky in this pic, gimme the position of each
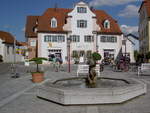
(13, 13)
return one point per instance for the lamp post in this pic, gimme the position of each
(125, 46)
(68, 46)
(95, 40)
(14, 66)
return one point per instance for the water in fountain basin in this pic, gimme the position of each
(81, 83)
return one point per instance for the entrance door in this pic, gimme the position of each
(108, 55)
(58, 55)
(52, 53)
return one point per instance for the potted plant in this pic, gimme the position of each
(38, 76)
(148, 56)
(1, 58)
(96, 56)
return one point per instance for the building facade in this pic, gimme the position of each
(129, 45)
(7, 48)
(144, 26)
(80, 31)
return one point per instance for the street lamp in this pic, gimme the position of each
(125, 52)
(96, 40)
(14, 66)
(68, 47)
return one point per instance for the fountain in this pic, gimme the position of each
(91, 90)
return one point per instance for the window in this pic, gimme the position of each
(81, 9)
(106, 24)
(33, 43)
(53, 23)
(82, 23)
(88, 38)
(54, 38)
(35, 30)
(111, 39)
(13, 50)
(75, 38)
(7, 49)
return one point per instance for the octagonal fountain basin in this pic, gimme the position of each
(73, 91)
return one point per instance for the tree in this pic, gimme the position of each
(136, 54)
(1, 58)
(38, 60)
(96, 56)
(148, 55)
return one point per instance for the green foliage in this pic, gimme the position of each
(136, 55)
(38, 60)
(96, 56)
(1, 58)
(148, 55)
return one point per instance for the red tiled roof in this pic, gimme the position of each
(146, 4)
(23, 44)
(101, 17)
(30, 24)
(7, 37)
(61, 14)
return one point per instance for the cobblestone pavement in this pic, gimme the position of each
(19, 95)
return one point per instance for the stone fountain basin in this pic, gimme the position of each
(103, 95)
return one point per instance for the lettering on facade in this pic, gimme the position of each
(50, 45)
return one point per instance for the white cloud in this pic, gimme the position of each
(7, 26)
(110, 2)
(129, 29)
(129, 11)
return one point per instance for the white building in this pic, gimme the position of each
(129, 45)
(88, 29)
(144, 26)
(135, 41)
(7, 48)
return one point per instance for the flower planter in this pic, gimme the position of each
(37, 77)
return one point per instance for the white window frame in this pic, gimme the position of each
(82, 23)
(33, 43)
(53, 23)
(107, 24)
(81, 9)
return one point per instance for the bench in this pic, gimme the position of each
(143, 67)
(84, 69)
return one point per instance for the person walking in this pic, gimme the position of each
(57, 64)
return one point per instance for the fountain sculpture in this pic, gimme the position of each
(91, 89)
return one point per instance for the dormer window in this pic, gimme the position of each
(81, 9)
(35, 29)
(53, 23)
(107, 24)
(36, 22)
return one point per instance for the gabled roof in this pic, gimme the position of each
(61, 14)
(44, 21)
(30, 25)
(135, 37)
(23, 44)
(101, 17)
(146, 4)
(7, 37)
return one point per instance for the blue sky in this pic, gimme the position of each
(14, 12)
